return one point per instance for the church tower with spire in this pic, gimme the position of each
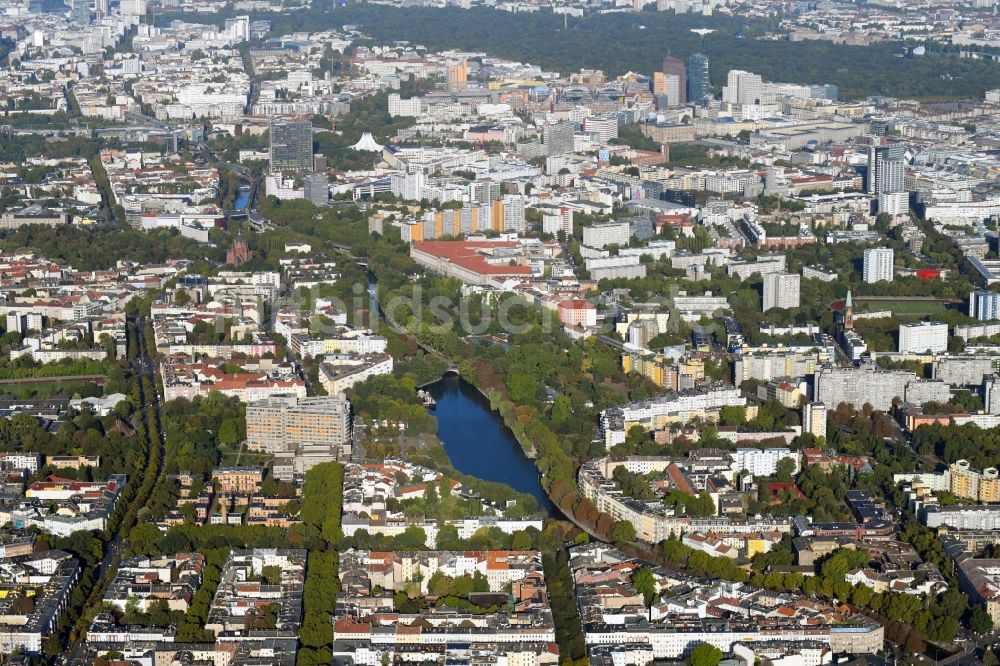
(239, 252)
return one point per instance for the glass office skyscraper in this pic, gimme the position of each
(698, 83)
(291, 146)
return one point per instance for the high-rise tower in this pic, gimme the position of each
(675, 72)
(291, 146)
(699, 85)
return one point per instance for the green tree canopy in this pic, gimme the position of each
(704, 655)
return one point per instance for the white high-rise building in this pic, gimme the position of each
(559, 220)
(674, 86)
(814, 419)
(886, 178)
(742, 87)
(605, 234)
(238, 28)
(885, 169)
(131, 66)
(893, 203)
(398, 106)
(878, 264)
(603, 128)
(513, 213)
(558, 138)
(781, 290)
(763, 462)
(485, 191)
(991, 394)
(984, 305)
(923, 336)
(409, 186)
(316, 188)
(133, 7)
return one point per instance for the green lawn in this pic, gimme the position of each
(902, 308)
(42, 390)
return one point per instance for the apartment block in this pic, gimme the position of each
(984, 305)
(781, 290)
(369, 630)
(866, 385)
(146, 580)
(238, 480)
(239, 608)
(924, 336)
(607, 233)
(46, 579)
(337, 374)
(878, 264)
(279, 423)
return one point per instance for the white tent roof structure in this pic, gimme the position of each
(368, 144)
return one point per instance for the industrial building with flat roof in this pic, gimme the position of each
(472, 262)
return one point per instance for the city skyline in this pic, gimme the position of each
(499, 334)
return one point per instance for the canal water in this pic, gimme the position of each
(473, 435)
(242, 199)
(477, 441)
